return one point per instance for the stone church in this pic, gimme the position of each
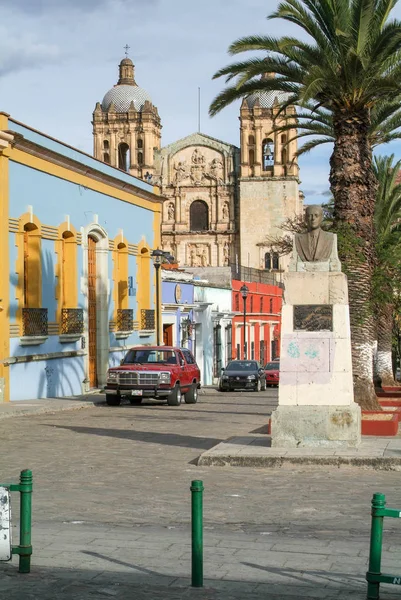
(221, 202)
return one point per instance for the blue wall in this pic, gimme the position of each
(52, 199)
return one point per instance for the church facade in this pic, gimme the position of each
(222, 204)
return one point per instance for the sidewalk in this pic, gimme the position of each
(49, 405)
(381, 453)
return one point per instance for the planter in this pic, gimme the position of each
(379, 423)
(391, 388)
(390, 402)
(383, 394)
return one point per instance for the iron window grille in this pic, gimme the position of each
(125, 319)
(147, 319)
(34, 321)
(72, 320)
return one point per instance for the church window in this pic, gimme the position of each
(283, 139)
(268, 154)
(275, 261)
(251, 157)
(140, 143)
(199, 216)
(123, 157)
(106, 145)
(140, 158)
(251, 140)
(268, 261)
(106, 158)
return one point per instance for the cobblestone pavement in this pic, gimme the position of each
(112, 509)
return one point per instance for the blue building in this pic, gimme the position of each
(77, 280)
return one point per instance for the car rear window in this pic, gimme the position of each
(272, 366)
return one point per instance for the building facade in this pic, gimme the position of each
(76, 238)
(222, 204)
(262, 322)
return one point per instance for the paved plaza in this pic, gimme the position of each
(111, 511)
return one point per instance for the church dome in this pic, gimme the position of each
(267, 99)
(122, 95)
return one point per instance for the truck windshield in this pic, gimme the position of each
(145, 357)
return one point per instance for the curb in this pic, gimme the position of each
(276, 462)
(41, 410)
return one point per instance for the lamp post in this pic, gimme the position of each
(244, 293)
(157, 256)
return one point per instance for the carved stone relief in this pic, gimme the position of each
(198, 255)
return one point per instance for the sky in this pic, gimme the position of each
(59, 57)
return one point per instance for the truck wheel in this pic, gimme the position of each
(191, 396)
(135, 401)
(175, 397)
(112, 400)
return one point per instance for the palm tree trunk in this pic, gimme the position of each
(353, 185)
(385, 344)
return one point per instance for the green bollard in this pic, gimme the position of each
(25, 547)
(376, 540)
(197, 533)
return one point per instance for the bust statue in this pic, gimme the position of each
(315, 250)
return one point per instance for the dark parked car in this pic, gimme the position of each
(243, 375)
(272, 372)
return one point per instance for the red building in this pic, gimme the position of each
(262, 318)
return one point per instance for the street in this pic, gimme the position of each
(111, 508)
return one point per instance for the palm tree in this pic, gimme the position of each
(387, 274)
(349, 64)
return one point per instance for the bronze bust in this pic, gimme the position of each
(315, 246)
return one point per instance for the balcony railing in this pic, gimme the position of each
(125, 319)
(34, 322)
(147, 319)
(72, 321)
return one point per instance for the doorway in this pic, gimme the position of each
(92, 300)
(168, 335)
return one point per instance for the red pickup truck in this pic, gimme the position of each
(154, 372)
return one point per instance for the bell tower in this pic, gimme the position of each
(269, 192)
(127, 126)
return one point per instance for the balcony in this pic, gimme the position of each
(34, 326)
(72, 321)
(125, 322)
(147, 319)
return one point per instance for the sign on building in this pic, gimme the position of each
(5, 524)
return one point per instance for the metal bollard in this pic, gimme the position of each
(25, 547)
(197, 533)
(376, 539)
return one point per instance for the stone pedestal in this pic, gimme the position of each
(316, 404)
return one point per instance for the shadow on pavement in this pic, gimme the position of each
(139, 583)
(149, 437)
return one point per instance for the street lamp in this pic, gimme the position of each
(244, 293)
(157, 256)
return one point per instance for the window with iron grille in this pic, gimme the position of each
(147, 319)
(34, 322)
(125, 319)
(72, 320)
(217, 351)
(262, 352)
(229, 333)
(275, 261)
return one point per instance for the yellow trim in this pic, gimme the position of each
(45, 166)
(35, 288)
(143, 261)
(4, 265)
(66, 270)
(120, 274)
